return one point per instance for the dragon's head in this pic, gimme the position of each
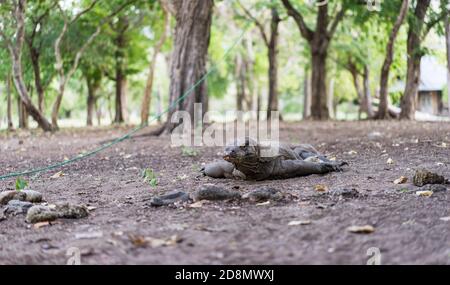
(242, 151)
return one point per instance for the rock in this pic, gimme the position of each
(345, 192)
(170, 198)
(7, 196)
(16, 207)
(423, 177)
(23, 195)
(32, 196)
(214, 193)
(68, 211)
(263, 194)
(374, 135)
(41, 213)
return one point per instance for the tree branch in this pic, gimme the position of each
(306, 32)
(337, 19)
(257, 23)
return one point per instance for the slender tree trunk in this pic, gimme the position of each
(188, 64)
(447, 44)
(330, 98)
(383, 107)
(408, 102)
(35, 55)
(92, 87)
(358, 89)
(121, 76)
(319, 108)
(273, 63)
(240, 82)
(146, 102)
(9, 103)
(367, 99)
(307, 95)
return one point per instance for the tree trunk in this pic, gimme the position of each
(9, 103)
(34, 55)
(319, 108)
(146, 102)
(188, 64)
(121, 76)
(240, 82)
(273, 67)
(358, 89)
(408, 102)
(383, 112)
(367, 99)
(330, 98)
(447, 44)
(93, 85)
(24, 97)
(306, 95)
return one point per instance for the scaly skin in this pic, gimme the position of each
(251, 161)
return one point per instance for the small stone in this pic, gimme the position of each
(41, 213)
(7, 196)
(170, 198)
(263, 194)
(423, 177)
(68, 211)
(214, 193)
(345, 192)
(424, 193)
(321, 188)
(16, 207)
(32, 196)
(401, 180)
(374, 135)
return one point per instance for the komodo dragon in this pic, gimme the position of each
(245, 161)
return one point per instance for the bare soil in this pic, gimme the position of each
(408, 228)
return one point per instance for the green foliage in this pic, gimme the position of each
(21, 184)
(150, 177)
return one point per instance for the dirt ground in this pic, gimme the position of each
(408, 228)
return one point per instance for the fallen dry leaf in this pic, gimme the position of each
(321, 188)
(401, 180)
(426, 193)
(141, 241)
(41, 224)
(57, 175)
(367, 229)
(197, 204)
(299, 223)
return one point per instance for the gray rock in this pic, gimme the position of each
(263, 194)
(41, 213)
(423, 177)
(69, 211)
(214, 193)
(32, 196)
(345, 192)
(7, 196)
(16, 207)
(23, 195)
(170, 198)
